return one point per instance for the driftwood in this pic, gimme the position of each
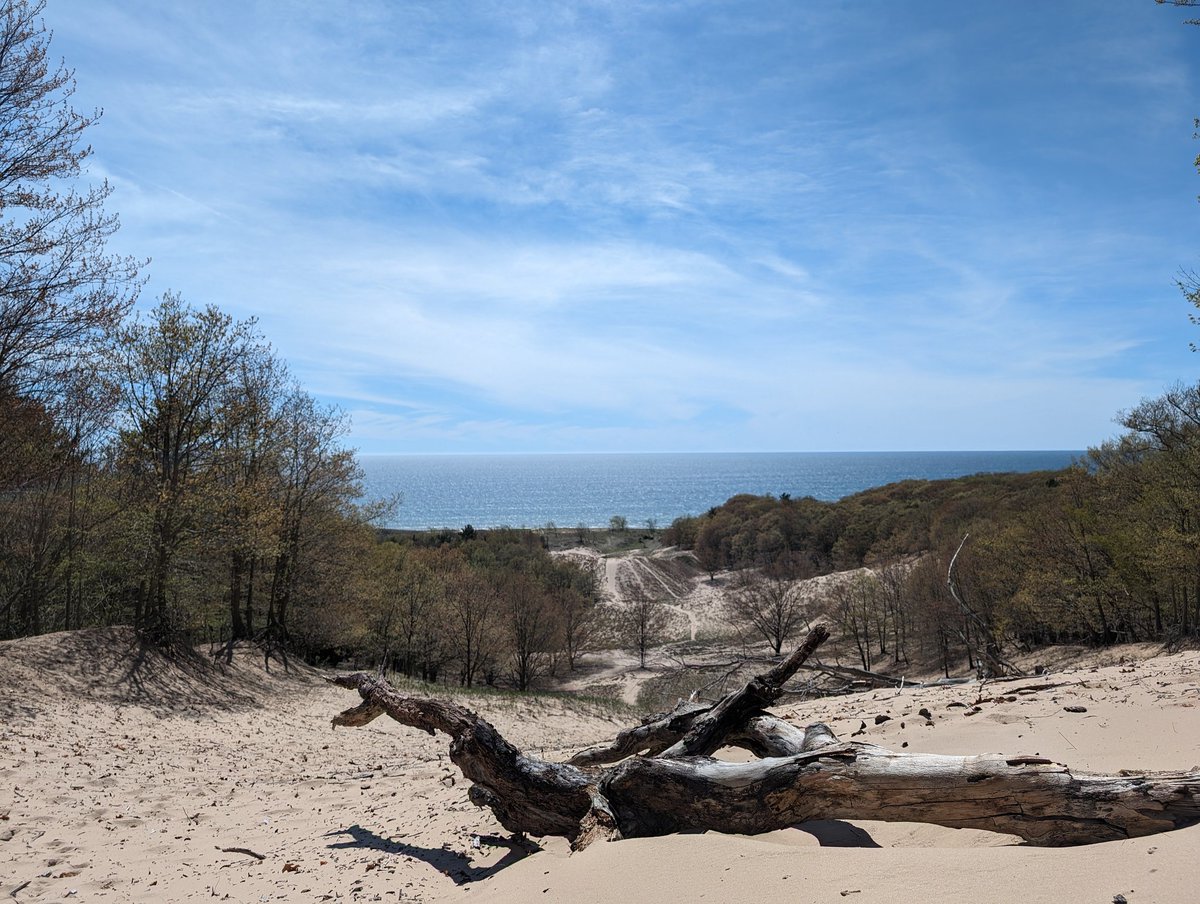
(804, 774)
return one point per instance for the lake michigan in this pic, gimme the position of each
(440, 491)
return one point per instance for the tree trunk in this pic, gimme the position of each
(1030, 797)
(806, 774)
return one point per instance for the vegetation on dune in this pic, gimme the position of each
(1102, 552)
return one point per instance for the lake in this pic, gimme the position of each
(440, 491)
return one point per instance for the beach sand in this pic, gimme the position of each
(125, 776)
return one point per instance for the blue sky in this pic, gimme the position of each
(611, 226)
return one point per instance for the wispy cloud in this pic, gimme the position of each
(667, 226)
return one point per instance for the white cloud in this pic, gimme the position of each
(558, 224)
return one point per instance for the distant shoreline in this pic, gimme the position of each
(535, 490)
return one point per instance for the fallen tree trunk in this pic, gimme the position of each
(1042, 802)
(804, 774)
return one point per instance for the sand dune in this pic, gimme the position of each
(125, 776)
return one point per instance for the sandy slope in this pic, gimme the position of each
(123, 775)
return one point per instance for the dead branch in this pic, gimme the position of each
(242, 850)
(527, 795)
(709, 730)
(762, 734)
(989, 651)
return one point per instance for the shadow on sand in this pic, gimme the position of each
(835, 833)
(115, 665)
(451, 863)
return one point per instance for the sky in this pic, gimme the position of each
(688, 225)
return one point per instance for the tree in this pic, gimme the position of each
(249, 452)
(472, 609)
(645, 622)
(60, 290)
(770, 605)
(61, 293)
(530, 628)
(410, 622)
(618, 523)
(575, 604)
(317, 484)
(173, 367)
(854, 606)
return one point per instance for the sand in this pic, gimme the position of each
(128, 777)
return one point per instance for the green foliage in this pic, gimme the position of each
(801, 537)
(1105, 551)
(489, 607)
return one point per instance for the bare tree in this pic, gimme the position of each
(472, 606)
(770, 605)
(854, 606)
(531, 630)
(60, 291)
(892, 580)
(576, 616)
(645, 621)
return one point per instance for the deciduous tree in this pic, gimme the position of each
(770, 605)
(60, 288)
(173, 366)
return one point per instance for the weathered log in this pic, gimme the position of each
(762, 734)
(709, 730)
(528, 795)
(806, 774)
(1043, 802)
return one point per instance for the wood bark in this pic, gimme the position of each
(528, 795)
(665, 782)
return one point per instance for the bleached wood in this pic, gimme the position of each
(1039, 801)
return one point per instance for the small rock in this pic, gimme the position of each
(1075, 709)
(924, 711)
(1119, 899)
(881, 718)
